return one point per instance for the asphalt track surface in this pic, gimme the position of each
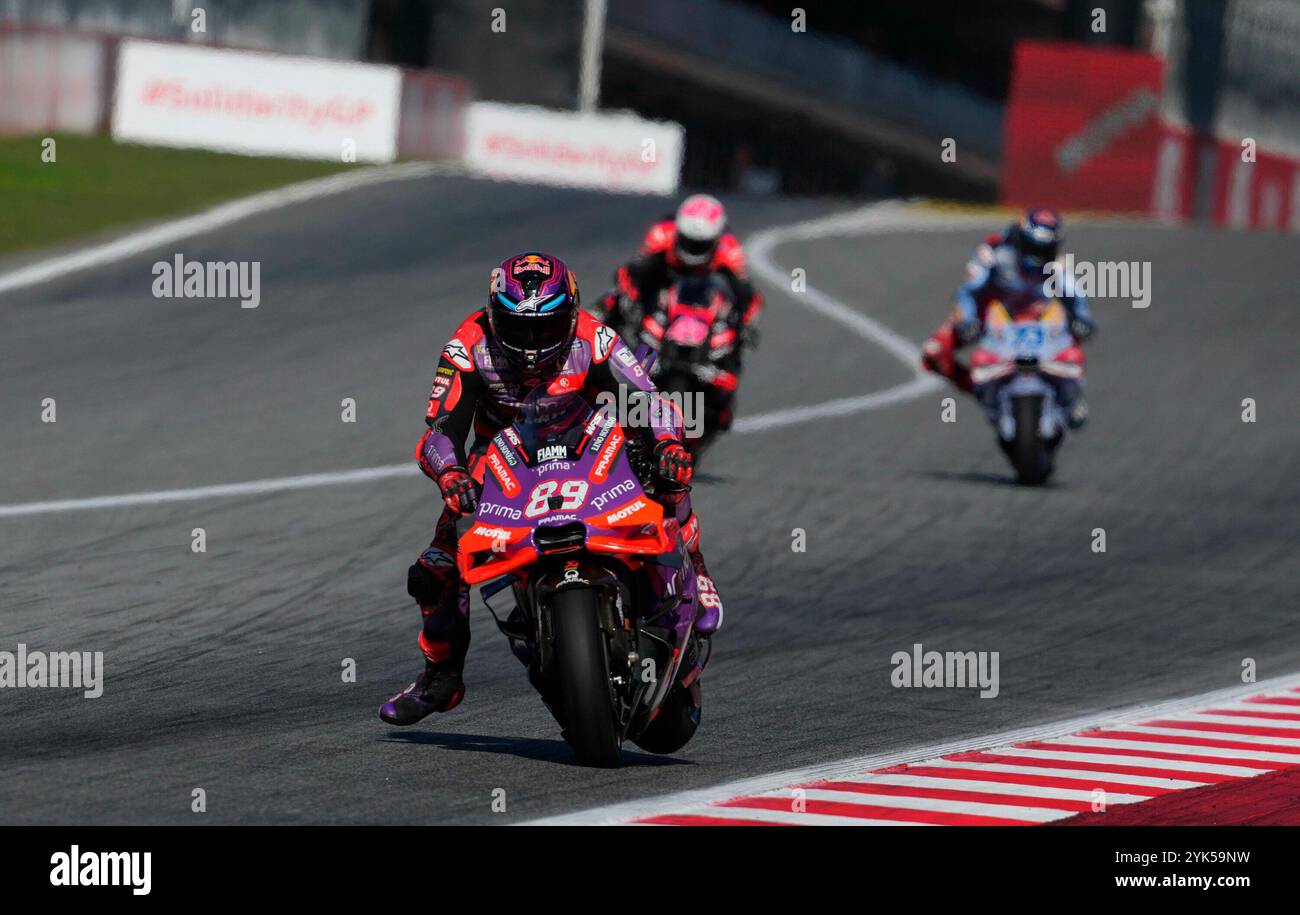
(223, 668)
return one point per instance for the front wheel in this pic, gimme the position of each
(582, 658)
(1028, 451)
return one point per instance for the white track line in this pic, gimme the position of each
(1287, 742)
(1161, 747)
(873, 219)
(857, 767)
(1178, 765)
(1064, 771)
(250, 488)
(971, 784)
(903, 802)
(221, 215)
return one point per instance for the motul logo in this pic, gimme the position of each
(625, 512)
(492, 533)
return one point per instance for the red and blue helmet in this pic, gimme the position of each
(533, 308)
(1037, 238)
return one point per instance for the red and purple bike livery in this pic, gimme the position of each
(570, 522)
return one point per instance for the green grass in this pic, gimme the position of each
(97, 184)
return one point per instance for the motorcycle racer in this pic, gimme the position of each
(1014, 268)
(533, 331)
(693, 241)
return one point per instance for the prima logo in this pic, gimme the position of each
(599, 501)
(103, 868)
(25, 669)
(496, 510)
(182, 279)
(950, 669)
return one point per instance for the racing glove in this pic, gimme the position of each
(1082, 328)
(675, 462)
(966, 331)
(458, 490)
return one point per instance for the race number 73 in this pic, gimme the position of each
(573, 492)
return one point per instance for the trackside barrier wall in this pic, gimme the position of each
(55, 80)
(1097, 141)
(615, 152)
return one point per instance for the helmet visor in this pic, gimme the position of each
(539, 332)
(1036, 254)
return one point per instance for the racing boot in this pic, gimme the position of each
(439, 689)
(1078, 417)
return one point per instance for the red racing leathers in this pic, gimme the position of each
(641, 280)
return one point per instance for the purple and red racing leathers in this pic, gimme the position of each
(477, 390)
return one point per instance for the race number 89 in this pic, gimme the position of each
(573, 492)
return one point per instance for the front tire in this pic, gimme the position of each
(1028, 451)
(582, 659)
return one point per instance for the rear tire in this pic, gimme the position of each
(582, 659)
(1028, 451)
(675, 725)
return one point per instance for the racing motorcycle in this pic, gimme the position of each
(569, 525)
(1016, 372)
(698, 352)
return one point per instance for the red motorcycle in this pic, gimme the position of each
(698, 354)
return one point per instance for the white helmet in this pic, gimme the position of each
(701, 220)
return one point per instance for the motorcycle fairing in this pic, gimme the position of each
(593, 485)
